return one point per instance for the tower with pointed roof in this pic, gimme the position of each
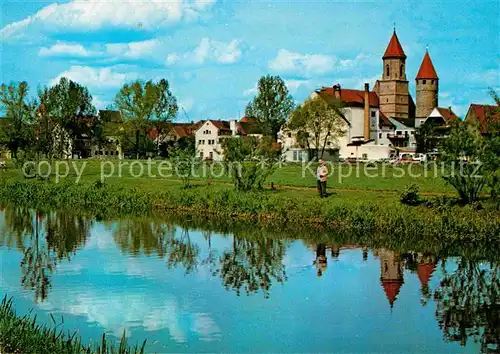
(391, 273)
(392, 89)
(426, 88)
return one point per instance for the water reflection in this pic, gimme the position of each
(465, 292)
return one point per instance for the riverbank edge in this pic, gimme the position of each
(471, 223)
(24, 335)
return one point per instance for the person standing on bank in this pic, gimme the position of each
(322, 174)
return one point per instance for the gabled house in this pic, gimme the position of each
(210, 135)
(486, 116)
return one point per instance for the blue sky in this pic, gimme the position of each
(212, 52)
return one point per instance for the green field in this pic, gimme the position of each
(291, 179)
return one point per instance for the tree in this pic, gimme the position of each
(185, 162)
(272, 106)
(145, 105)
(64, 108)
(462, 153)
(317, 123)
(425, 136)
(17, 133)
(250, 161)
(491, 158)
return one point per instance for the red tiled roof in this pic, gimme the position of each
(483, 112)
(394, 49)
(391, 289)
(424, 272)
(221, 124)
(426, 70)
(448, 115)
(352, 97)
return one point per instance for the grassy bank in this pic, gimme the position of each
(24, 335)
(359, 213)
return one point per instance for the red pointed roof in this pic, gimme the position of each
(391, 289)
(427, 70)
(394, 49)
(424, 272)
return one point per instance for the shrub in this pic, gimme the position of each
(410, 195)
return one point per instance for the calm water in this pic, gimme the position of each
(191, 290)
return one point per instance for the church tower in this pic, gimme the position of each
(427, 88)
(393, 87)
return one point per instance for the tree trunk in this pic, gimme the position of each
(137, 144)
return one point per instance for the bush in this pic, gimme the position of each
(410, 195)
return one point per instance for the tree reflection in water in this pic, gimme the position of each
(45, 239)
(253, 265)
(468, 304)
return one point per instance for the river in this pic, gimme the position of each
(197, 290)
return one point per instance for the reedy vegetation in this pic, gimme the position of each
(24, 335)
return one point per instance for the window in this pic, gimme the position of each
(365, 156)
(210, 142)
(211, 155)
(199, 142)
(106, 153)
(387, 70)
(201, 154)
(380, 135)
(373, 113)
(423, 82)
(386, 100)
(387, 135)
(203, 141)
(401, 68)
(289, 135)
(399, 132)
(329, 143)
(412, 132)
(432, 82)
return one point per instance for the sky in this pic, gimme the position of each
(212, 52)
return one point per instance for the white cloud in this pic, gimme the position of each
(133, 50)
(209, 50)
(60, 48)
(294, 85)
(304, 64)
(91, 15)
(251, 91)
(106, 77)
(186, 103)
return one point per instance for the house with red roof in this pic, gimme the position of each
(487, 117)
(380, 122)
(210, 135)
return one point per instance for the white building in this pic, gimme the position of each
(210, 135)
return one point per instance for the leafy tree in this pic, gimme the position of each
(65, 108)
(145, 105)
(17, 128)
(272, 106)
(425, 136)
(462, 153)
(317, 123)
(185, 162)
(250, 161)
(491, 158)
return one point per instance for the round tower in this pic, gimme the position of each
(427, 88)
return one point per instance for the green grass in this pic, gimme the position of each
(343, 177)
(25, 335)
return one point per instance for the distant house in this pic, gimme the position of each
(210, 135)
(486, 116)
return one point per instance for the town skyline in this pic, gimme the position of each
(213, 53)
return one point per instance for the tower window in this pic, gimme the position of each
(433, 82)
(401, 70)
(387, 70)
(373, 113)
(423, 81)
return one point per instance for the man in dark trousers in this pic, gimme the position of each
(321, 175)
